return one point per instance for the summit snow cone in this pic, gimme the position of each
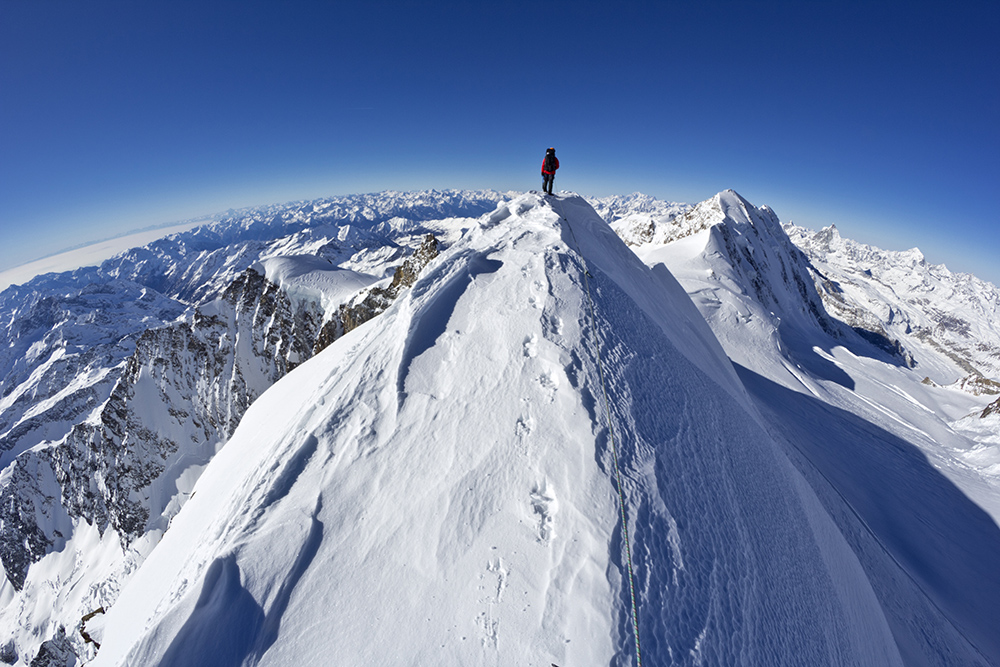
(437, 487)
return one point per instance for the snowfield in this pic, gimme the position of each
(909, 487)
(437, 487)
(388, 430)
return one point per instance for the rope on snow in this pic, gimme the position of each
(614, 446)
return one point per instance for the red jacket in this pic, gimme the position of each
(555, 160)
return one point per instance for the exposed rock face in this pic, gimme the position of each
(73, 343)
(8, 653)
(991, 409)
(181, 393)
(978, 385)
(377, 299)
(55, 652)
(908, 302)
(29, 492)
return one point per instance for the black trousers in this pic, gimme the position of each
(547, 180)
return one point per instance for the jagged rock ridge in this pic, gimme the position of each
(950, 315)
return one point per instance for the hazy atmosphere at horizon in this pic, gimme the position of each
(879, 117)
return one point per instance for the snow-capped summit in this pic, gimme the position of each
(758, 278)
(371, 510)
(846, 391)
(383, 429)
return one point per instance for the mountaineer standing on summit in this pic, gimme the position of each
(549, 166)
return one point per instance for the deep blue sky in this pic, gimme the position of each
(881, 117)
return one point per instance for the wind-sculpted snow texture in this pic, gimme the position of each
(118, 383)
(905, 466)
(436, 487)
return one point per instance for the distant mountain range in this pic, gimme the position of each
(392, 415)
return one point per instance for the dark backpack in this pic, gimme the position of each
(550, 163)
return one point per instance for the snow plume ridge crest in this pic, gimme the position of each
(614, 445)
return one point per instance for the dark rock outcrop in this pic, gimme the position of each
(378, 299)
(182, 392)
(55, 652)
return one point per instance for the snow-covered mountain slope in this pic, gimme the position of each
(766, 288)
(952, 316)
(72, 330)
(452, 455)
(884, 450)
(638, 217)
(115, 394)
(437, 486)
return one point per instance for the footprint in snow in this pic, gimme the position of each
(545, 505)
(524, 427)
(549, 384)
(531, 346)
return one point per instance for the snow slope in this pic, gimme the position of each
(436, 487)
(916, 493)
(119, 382)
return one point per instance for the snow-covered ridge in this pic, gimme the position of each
(115, 389)
(119, 383)
(917, 464)
(436, 487)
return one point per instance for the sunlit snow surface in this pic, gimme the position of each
(917, 494)
(68, 336)
(436, 487)
(310, 277)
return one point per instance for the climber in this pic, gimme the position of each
(549, 166)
